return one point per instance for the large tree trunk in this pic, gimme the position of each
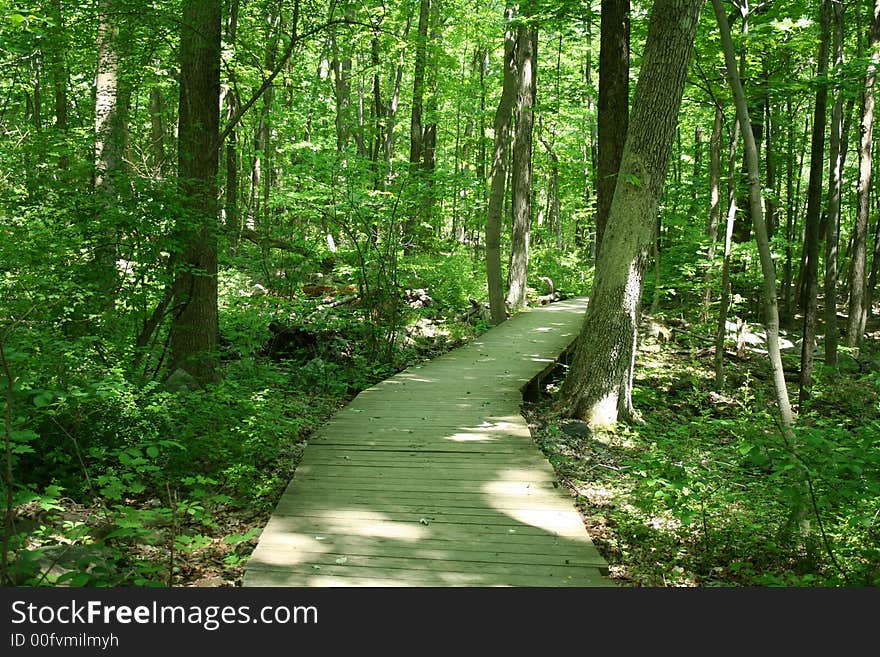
(771, 311)
(613, 104)
(599, 385)
(194, 327)
(814, 205)
(526, 54)
(857, 307)
(499, 179)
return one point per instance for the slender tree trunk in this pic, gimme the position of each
(499, 178)
(814, 205)
(835, 172)
(111, 136)
(341, 65)
(591, 146)
(771, 313)
(416, 133)
(714, 203)
(724, 305)
(58, 66)
(613, 104)
(598, 387)
(194, 327)
(857, 306)
(526, 53)
(233, 223)
(772, 210)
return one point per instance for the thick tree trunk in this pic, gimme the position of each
(194, 327)
(814, 206)
(526, 55)
(771, 313)
(599, 385)
(857, 307)
(613, 104)
(499, 179)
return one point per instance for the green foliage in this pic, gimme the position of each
(707, 492)
(451, 279)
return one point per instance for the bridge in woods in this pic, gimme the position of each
(431, 478)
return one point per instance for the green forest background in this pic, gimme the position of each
(344, 256)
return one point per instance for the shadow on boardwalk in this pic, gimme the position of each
(431, 478)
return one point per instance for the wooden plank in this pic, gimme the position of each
(453, 564)
(478, 501)
(413, 529)
(340, 575)
(475, 472)
(518, 547)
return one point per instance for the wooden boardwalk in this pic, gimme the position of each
(431, 478)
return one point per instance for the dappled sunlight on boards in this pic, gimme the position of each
(418, 483)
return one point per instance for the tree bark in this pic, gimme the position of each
(194, 327)
(835, 172)
(771, 313)
(416, 133)
(233, 222)
(814, 205)
(599, 385)
(714, 203)
(857, 307)
(724, 304)
(112, 96)
(499, 177)
(613, 104)
(521, 200)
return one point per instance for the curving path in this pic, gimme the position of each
(431, 478)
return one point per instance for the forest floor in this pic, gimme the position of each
(703, 492)
(699, 494)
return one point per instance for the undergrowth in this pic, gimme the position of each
(706, 493)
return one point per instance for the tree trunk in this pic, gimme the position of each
(814, 205)
(342, 85)
(111, 135)
(499, 178)
(771, 313)
(416, 133)
(599, 385)
(591, 146)
(194, 327)
(857, 307)
(724, 305)
(613, 104)
(526, 54)
(714, 203)
(58, 65)
(835, 172)
(233, 224)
